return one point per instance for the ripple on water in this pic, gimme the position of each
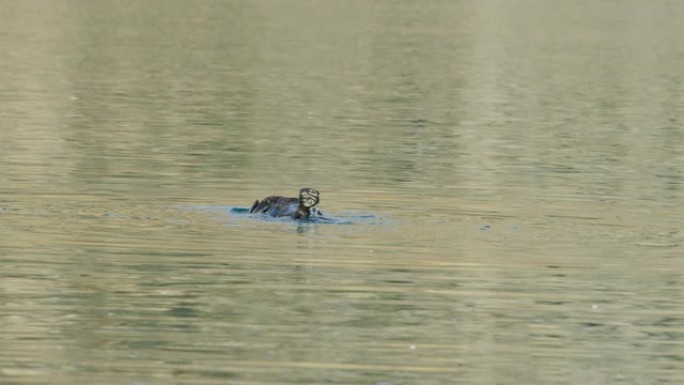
(338, 218)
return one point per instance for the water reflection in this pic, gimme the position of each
(503, 188)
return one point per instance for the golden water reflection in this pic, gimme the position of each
(507, 181)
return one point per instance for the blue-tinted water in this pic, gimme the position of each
(328, 218)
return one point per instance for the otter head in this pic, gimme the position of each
(309, 197)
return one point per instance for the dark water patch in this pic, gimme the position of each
(183, 312)
(343, 218)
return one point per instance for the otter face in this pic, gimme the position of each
(309, 197)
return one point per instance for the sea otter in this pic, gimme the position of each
(296, 208)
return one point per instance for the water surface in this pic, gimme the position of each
(505, 179)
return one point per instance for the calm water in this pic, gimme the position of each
(506, 179)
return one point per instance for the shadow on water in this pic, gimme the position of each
(344, 218)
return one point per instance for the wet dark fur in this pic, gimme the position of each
(297, 208)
